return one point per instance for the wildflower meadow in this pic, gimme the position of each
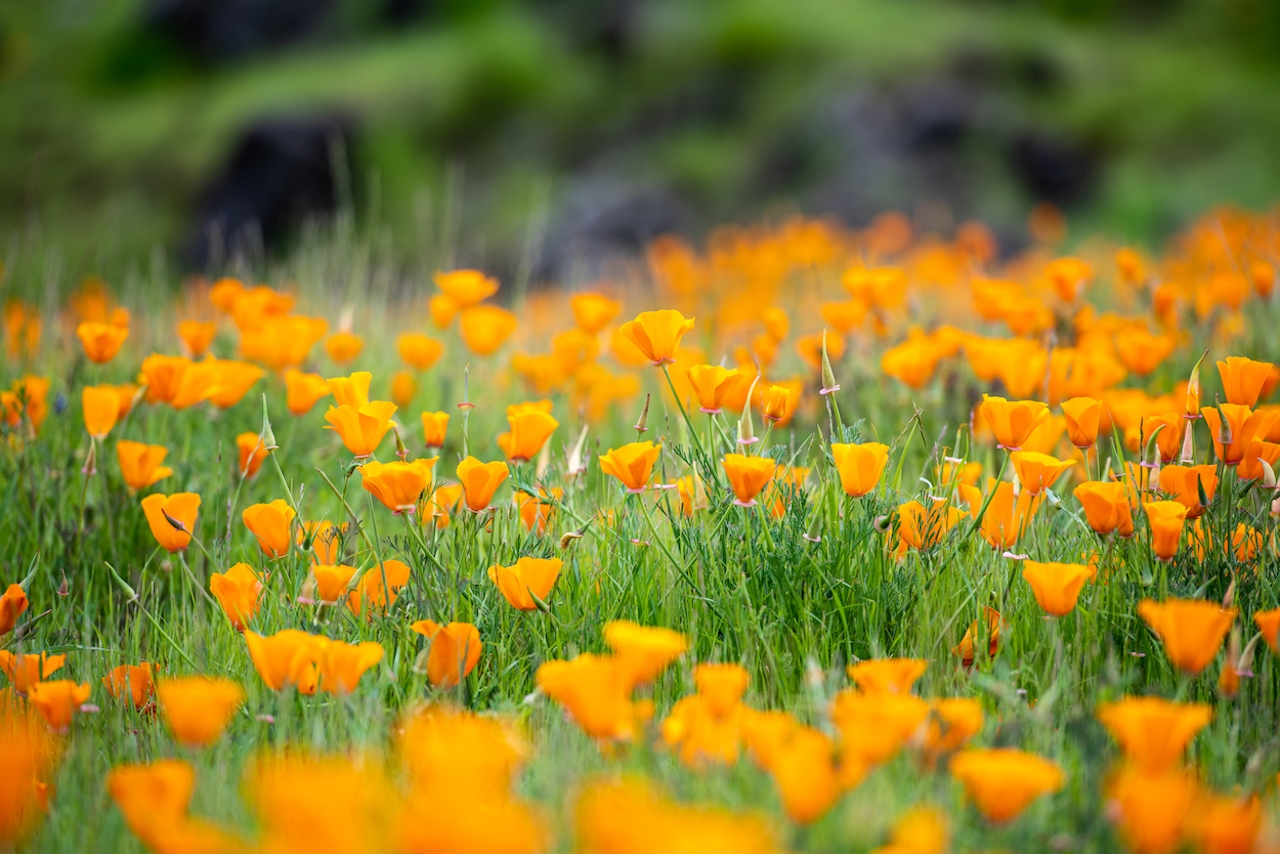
(799, 538)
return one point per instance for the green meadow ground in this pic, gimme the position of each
(742, 586)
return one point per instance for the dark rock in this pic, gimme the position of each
(217, 31)
(280, 172)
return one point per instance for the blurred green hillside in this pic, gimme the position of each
(607, 121)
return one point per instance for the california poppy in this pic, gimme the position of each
(592, 312)
(455, 651)
(342, 665)
(252, 453)
(1192, 630)
(237, 592)
(1153, 732)
(419, 351)
(530, 429)
(101, 409)
(747, 476)
(351, 390)
(1012, 422)
(596, 691)
(1166, 519)
(58, 701)
(361, 428)
(26, 669)
(378, 588)
(712, 384)
(952, 722)
(1106, 506)
(887, 675)
(536, 510)
(1151, 808)
(860, 466)
(921, 527)
(966, 649)
(657, 334)
(271, 524)
(434, 426)
(1008, 513)
(398, 485)
(1234, 427)
(1057, 586)
(233, 381)
(197, 335)
(13, 603)
(133, 683)
(484, 328)
(480, 481)
(1243, 379)
(101, 341)
(153, 798)
(1069, 277)
(1083, 416)
(1038, 472)
(198, 708)
(465, 287)
(1184, 485)
(332, 582)
(343, 347)
(403, 388)
(644, 651)
(287, 658)
(526, 581)
(182, 508)
(778, 402)
(323, 538)
(1226, 824)
(632, 464)
(1268, 623)
(1003, 782)
(303, 391)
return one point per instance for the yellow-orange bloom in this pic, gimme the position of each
(1166, 519)
(12, 605)
(531, 427)
(153, 798)
(26, 669)
(1192, 630)
(527, 578)
(1069, 277)
(372, 595)
(596, 691)
(480, 481)
(271, 524)
(1183, 484)
(398, 485)
(403, 388)
(101, 341)
(140, 463)
(419, 351)
(455, 651)
(592, 312)
(178, 381)
(1013, 421)
(287, 658)
(324, 540)
(1038, 472)
(712, 384)
(779, 401)
(966, 650)
(1268, 624)
(343, 664)
(332, 582)
(434, 426)
(887, 675)
(632, 464)
(657, 334)
(484, 328)
(923, 528)
(1057, 586)
(466, 287)
(101, 407)
(237, 592)
(1106, 506)
(198, 708)
(132, 683)
(1226, 824)
(536, 510)
(1243, 380)
(197, 335)
(58, 701)
(1003, 782)
(1153, 732)
(352, 390)
(303, 391)
(182, 508)
(1008, 515)
(1151, 808)
(252, 454)
(361, 428)
(343, 347)
(1083, 416)
(859, 465)
(1234, 428)
(747, 476)
(644, 651)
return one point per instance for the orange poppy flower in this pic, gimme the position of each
(1083, 416)
(455, 651)
(443, 309)
(351, 390)
(178, 381)
(434, 426)
(485, 328)
(403, 388)
(1166, 519)
(237, 592)
(1057, 586)
(361, 428)
(197, 335)
(873, 728)
(1234, 428)
(252, 453)
(287, 658)
(153, 798)
(1268, 624)
(747, 476)
(966, 649)
(1142, 352)
(632, 464)
(101, 408)
(952, 722)
(197, 708)
(779, 401)
(480, 481)
(58, 701)
(233, 381)
(343, 347)
(182, 507)
(101, 341)
(887, 675)
(1250, 467)
(530, 429)
(527, 578)
(332, 582)
(536, 510)
(803, 769)
(923, 528)
(271, 524)
(1192, 630)
(465, 287)
(304, 391)
(1003, 782)
(342, 665)
(398, 485)
(711, 384)
(1012, 422)
(644, 651)
(140, 463)
(1069, 277)
(1038, 472)
(845, 316)
(26, 669)
(444, 501)
(913, 362)
(1226, 824)
(1150, 808)
(592, 312)
(809, 347)
(1166, 429)
(1008, 515)
(657, 334)
(419, 351)
(1243, 380)
(132, 683)
(1106, 507)
(12, 605)
(323, 539)
(1184, 483)
(369, 595)
(596, 691)
(1153, 732)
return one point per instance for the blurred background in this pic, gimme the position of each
(556, 133)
